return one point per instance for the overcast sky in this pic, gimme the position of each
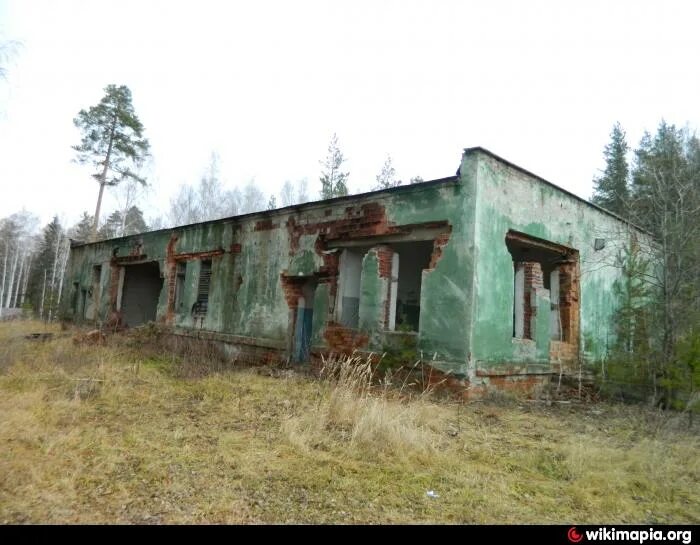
(266, 83)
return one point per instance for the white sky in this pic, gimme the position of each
(266, 83)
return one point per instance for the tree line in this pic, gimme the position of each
(113, 143)
(656, 186)
(656, 339)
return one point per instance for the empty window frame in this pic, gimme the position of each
(548, 266)
(202, 303)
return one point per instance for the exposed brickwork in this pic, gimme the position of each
(438, 244)
(569, 302)
(385, 261)
(384, 255)
(292, 287)
(171, 277)
(563, 352)
(519, 385)
(265, 225)
(190, 256)
(331, 260)
(235, 248)
(533, 281)
(344, 340)
(252, 356)
(363, 221)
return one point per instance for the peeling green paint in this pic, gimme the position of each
(320, 316)
(466, 318)
(372, 295)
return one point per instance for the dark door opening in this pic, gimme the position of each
(142, 287)
(304, 321)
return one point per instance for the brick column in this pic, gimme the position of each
(385, 255)
(533, 282)
(569, 302)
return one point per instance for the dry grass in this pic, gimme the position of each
(104, 434)
(352, 412)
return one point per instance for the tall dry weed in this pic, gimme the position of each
(353, 411)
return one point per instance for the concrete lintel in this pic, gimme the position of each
(414, 235)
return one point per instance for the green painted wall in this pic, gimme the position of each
(446, 291)
(508, 198)
(373, 292)
(246, 295)
(466, 299)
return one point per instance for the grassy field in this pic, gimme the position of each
(124, 434)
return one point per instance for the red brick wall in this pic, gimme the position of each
(344, 340)
(438, 244)
(384, 255)
(533, 281)
(292, 287)
(569, 302)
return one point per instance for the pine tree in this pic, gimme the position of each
(333, 180)
(111, 227)
(387, 176)
(665, 199)
(112, 141)
(611, 190)
(134, 222)
(82, 231)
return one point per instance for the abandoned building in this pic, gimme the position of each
(496, 277)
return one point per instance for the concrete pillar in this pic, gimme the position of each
(375, 284)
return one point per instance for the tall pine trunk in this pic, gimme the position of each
(103, 178)
(97, 209)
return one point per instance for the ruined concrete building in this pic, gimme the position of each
(495, 276)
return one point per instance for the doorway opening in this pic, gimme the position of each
(303, 322)
(140, 293)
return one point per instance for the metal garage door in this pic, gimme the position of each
(142, 286)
